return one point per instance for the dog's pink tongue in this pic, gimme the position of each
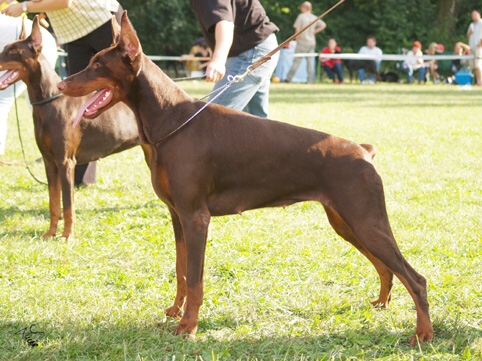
(8, 78)
(98, 98)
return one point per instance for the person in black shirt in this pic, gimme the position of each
(240, 33)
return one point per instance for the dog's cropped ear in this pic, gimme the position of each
(128, 40)
(23, 33)
(36, 36)
(115, 30)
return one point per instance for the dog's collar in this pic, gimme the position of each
(47, 100)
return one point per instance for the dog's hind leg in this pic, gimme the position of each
(360, 203)
(177, 309)
(386, 276)
(378, 241)
(53, 181)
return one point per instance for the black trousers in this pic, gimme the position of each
(79, 53)
(81, 50)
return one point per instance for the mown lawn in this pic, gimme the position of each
(279, 283)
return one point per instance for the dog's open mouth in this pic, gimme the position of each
(10, 77)
(89, 109)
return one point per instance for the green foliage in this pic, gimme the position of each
(163, 23)
(396, 24)
(283, 13)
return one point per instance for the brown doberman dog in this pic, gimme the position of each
(225, 162)
(61, 145)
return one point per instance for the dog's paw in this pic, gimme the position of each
(49, 234)
(421, 337)
(186, 329)
(67, 236)
(174, 311)
(380, 304)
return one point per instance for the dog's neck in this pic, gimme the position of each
(159, 104)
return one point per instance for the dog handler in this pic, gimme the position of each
(240, 33)
(84, 28)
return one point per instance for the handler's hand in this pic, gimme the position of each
(14, 10)
(215, 71)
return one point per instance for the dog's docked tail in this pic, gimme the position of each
(370, 149)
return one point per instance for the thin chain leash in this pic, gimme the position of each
(231, 80)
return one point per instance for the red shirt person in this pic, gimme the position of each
(330, 65)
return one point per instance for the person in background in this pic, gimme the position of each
(306, 41)
(414, 63)
(474, 34)
(199, 49)
(330, 65)
(84, 28)
(239, 32)
(460, 49)
(370, 49)
(10, 29)
(433, 49)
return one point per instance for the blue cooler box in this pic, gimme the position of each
(463, 77)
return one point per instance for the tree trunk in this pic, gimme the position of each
(448, 11)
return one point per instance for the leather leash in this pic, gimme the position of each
(47, 100)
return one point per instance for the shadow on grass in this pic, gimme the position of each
(11, 214)
(102, 341)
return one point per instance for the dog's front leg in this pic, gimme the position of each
(195, 229)
(53, 181)
(177, 309)
(67, 180)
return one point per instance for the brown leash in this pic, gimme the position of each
(268, 56)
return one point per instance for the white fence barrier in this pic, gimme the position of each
(391, 57)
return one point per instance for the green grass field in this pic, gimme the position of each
(279, 283)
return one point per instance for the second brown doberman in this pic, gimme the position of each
(61, 145)
(226, 162)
